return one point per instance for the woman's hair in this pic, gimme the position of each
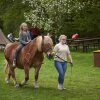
(21, 27)
(61, 36)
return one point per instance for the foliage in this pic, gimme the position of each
(65, 16)
(87, 19)
(12, 14)
(51, 15)
(55, 16)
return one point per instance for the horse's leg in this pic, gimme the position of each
(36, 76)
(26, 69)
(7, 71)
(12, 72)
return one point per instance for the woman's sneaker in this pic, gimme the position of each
(60, 87)
(64, 88)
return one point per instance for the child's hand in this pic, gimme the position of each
(27, 42)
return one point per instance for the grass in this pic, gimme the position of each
(82, 84)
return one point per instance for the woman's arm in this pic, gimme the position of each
(69, 55)
(70, 58)
(56, 49)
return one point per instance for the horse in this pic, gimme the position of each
(32, 55)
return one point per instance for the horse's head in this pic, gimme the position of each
(45, 44)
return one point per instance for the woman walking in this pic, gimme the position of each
(62, 55)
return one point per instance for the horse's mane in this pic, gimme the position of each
(47, 40)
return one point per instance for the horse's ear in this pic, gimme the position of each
(48, 34)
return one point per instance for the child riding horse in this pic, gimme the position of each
(24, 38)
(31, 54)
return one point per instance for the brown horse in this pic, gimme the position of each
(30, 55)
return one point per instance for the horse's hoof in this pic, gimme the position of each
(17, 86)
(7, 81)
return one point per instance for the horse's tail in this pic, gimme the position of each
(6, 67)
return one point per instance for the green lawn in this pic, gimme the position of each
(82, 84)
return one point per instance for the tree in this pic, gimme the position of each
(56, 16)
(12, 15)
(50, 14)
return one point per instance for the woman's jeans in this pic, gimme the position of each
(61, 68)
